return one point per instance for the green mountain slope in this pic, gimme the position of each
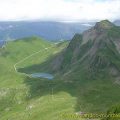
(24, 98)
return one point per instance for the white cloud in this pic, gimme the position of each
(62, 10)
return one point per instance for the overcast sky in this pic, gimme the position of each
(59, 10)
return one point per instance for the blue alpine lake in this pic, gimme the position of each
(42, 75)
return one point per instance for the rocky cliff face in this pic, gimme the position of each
(97, 49)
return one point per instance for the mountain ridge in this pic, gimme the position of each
(52, 31)
(92, 49)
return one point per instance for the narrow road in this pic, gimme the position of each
(15, 65)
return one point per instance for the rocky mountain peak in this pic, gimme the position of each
(96, 49)
(104, 24)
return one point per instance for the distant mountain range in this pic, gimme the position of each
(47, 30)
(117, 22)
(52, 31)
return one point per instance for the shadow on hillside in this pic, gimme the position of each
(41, 87)
(37, 68)
(91, 95)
